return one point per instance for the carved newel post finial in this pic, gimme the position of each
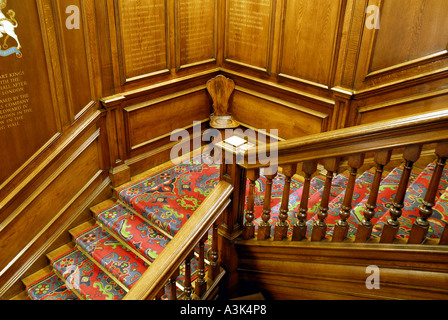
(220, 89)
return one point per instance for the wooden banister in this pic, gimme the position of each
(421, 225)
(419, 129)
(354, 144)
(179, 248)
(382, 158)
(411, 155)
(341, 228)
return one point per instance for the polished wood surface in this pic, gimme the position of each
(341, 228)
(179, 248)
(364, 231)
(337, 271)
(83, 107)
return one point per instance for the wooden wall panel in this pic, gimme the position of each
(309, 38)
(196, 31)
(50, 197)
(76, 58)
(143, 38)
(301, 121)
(248, 33)
(151, 120)
(402, 107)
(25, 93)
(407, 46)
(419, 31)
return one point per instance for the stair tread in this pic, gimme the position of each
(50, 287)
(60, 251)
(78, 229)
(170, 196)
(142, 237)
(112, 255)
(21, 296)
(85, 277)
(102, 206)
(36, 276)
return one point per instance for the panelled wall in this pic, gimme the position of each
(53, 133)
(95, 89)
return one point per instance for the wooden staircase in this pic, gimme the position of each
(288, 251)
(110, 274)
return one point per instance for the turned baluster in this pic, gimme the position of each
(213, 269)
(341, 228)
(365, 228)
(264, 230)
(320, 226)
(299, 229)
(444, 237)
(160, 294)
(390, 230)
(173, 279)
(201, 283)
(281, 227)
(188, 289)
(421, 224)
(249, 227)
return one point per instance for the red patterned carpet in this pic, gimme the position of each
(111, 256)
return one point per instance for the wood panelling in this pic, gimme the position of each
(54, 146)
(326, 271)
(249, 29)
(143, 38)
(196, 31)
(151, 119)
(309, 40)
(401, 107)
(77, 68)
(25, 94)
(50, 196)
(419, 32)
(408, 45)
(301, 121)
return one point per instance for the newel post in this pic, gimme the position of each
(231, 225)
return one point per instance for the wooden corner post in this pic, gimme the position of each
(231, 226)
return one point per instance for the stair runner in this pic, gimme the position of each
(110, 253)
(108, 256)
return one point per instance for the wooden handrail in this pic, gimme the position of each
(177, 250)
(417, 129)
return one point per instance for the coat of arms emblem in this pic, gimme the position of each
(7, 31)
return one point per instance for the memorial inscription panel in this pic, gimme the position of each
(248, 31)
(308, 43)
(196, 31)
(143, 37)
(28, 120)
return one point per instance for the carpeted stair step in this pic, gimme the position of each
(414, 194)
(46, 285)
(143, 239)
(22, 296)
(112, 256)
(439, 218)
(170, 196)
(83, 276)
